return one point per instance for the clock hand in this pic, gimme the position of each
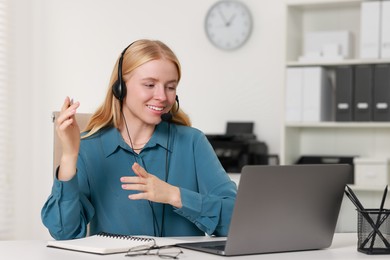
(229, 22)
(223, 17)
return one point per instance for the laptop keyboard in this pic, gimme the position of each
(217, 247)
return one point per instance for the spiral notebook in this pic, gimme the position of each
(105, 243)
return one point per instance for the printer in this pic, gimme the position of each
(238, 147)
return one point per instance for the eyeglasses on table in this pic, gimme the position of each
(165, 252)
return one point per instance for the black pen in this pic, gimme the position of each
(379, 217)
(70, 103)
(352, 200)
(359, 205)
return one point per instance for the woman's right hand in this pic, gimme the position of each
(68, 132)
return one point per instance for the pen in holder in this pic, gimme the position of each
(374, 239)
(373, 226)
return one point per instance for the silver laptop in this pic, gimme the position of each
(283, 208)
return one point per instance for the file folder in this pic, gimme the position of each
(344, 94)
(308, 95)
(385, 28)
(363, 93)
(381, 93)
(370, 29)
(293, 101)
(317, 95)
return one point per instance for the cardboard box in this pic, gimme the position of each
(372, 171)
(327, 45)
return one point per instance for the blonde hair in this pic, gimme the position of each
(138, 53)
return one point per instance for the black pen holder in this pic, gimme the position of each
(374, 231)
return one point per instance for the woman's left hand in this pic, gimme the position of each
(151, 188)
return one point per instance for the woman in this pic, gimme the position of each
(139, 169)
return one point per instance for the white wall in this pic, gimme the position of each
(68, 47)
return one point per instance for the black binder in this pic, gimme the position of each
(381, 93)
(363, 93)
(344, 93)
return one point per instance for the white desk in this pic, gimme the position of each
(343, 247)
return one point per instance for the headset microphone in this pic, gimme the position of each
(167, 117)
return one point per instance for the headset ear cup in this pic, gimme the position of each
(123, 90)
(178, 104)
(118, 90)
(119, 87)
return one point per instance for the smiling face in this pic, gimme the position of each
(151, 91)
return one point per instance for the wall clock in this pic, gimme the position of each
(228, 24)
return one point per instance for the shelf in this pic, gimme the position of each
(320, 3)
(367, 188)
(338, 125)
(337, 63)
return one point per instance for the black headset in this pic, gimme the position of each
(119, 86)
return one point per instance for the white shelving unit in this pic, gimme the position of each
(365, 139)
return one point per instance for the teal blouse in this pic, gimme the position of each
(179, 154)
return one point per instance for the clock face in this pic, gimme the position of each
(228, 24)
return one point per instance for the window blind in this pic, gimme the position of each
(6, 198)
